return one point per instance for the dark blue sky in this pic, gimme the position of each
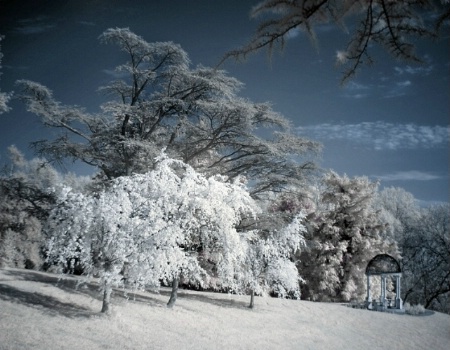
(390, 123)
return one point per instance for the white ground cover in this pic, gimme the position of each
(38, 312)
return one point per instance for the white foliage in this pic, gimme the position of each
(159, 101)
(268, 267)
(28, 193)
(148, 225)
(4, 96)
(284, 278)
(4, 99)
(345, 234)
(414, 309)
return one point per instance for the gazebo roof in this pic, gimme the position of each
(383, 264)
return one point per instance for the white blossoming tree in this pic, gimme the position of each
(269, 266)
(153, 226)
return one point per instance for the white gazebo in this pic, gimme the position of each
(384, 265)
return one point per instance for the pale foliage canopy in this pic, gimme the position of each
(152, 227)
(160, 101)
(4, 96)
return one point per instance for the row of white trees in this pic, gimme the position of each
(196, 116)
(147, 220)
(169, 224)
(174, 225)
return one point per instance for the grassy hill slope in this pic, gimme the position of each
(38, 312)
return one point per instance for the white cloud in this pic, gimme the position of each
(420, 70)
(293, 33)
(412, 175)
(36, 29)
(356, 86)
(387, 88)
(356, 90)
(115, 74)
(16, 67)
(381, 135)
(87, 23)
(34, 25)
(359, 96)
(399, 89)
(404, 83)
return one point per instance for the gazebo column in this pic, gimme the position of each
(383, 290)
(369, 296)
(398, 299)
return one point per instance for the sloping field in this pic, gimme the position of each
(38, 312)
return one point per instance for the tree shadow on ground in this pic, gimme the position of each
(222, 302)
(71, 284)
(78, 285)
(30, 275)
(50, 304)
(138, 297)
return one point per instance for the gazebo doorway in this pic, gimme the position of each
(385, 266)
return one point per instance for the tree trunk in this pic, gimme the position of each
(252, 299)
(173, 295)
(106, 307)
